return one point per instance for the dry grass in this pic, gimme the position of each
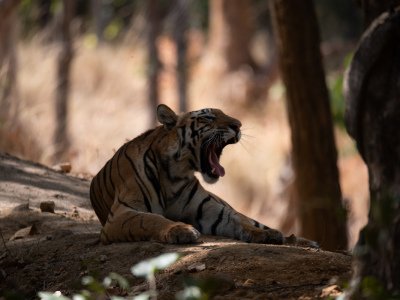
(108, 106)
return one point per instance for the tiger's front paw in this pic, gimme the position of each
(266, 236)
(181, 233)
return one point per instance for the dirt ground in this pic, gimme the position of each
(62, 247)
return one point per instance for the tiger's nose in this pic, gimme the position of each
(235, 126)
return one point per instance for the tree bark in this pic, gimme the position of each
(154, 64)
(181, 25)
(372, 89)
(321, 215)
(61, 138)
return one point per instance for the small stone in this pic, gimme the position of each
(64, 167)
(47, 206)
(21, 207)
(197, 267)
(24, 232)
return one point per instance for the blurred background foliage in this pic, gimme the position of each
(338, 19)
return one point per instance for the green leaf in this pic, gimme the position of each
(165, 260)
(144, 296)
(143, 269)
(50, 296)
(148, 267)
(121, 281)
(86, 280)
(92, 284)
(190, 293)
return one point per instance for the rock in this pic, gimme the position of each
(47, 206)
(196, 267)
(24, 232)
(21, 207)
(64, 167)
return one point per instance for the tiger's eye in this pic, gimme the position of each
(206, 119)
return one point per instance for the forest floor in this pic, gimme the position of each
(58, 249)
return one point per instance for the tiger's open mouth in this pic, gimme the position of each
(210, 157)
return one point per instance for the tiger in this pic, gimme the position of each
(148, 190)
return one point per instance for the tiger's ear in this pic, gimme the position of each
(166, 116)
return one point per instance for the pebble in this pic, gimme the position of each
(47, 206)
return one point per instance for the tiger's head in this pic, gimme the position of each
(201, 137)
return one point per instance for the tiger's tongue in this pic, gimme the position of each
(216, 168)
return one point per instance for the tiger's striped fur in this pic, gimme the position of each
(148, 190)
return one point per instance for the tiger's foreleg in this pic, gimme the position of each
(127, 224)
(211, 215)
(230, 223)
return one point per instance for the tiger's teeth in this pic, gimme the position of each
(213, 170)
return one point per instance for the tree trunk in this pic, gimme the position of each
(372, 89)
(181, 24)
(230, 33)
(61, 138)
(321, 215)
(8, 62)
(154, 65)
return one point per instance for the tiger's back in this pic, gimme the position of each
(116, 175)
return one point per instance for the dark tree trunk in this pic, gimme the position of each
(321, 215)
(154, 65)
(372, 89)
(61, 138)
(8, 62)
(181, 24)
